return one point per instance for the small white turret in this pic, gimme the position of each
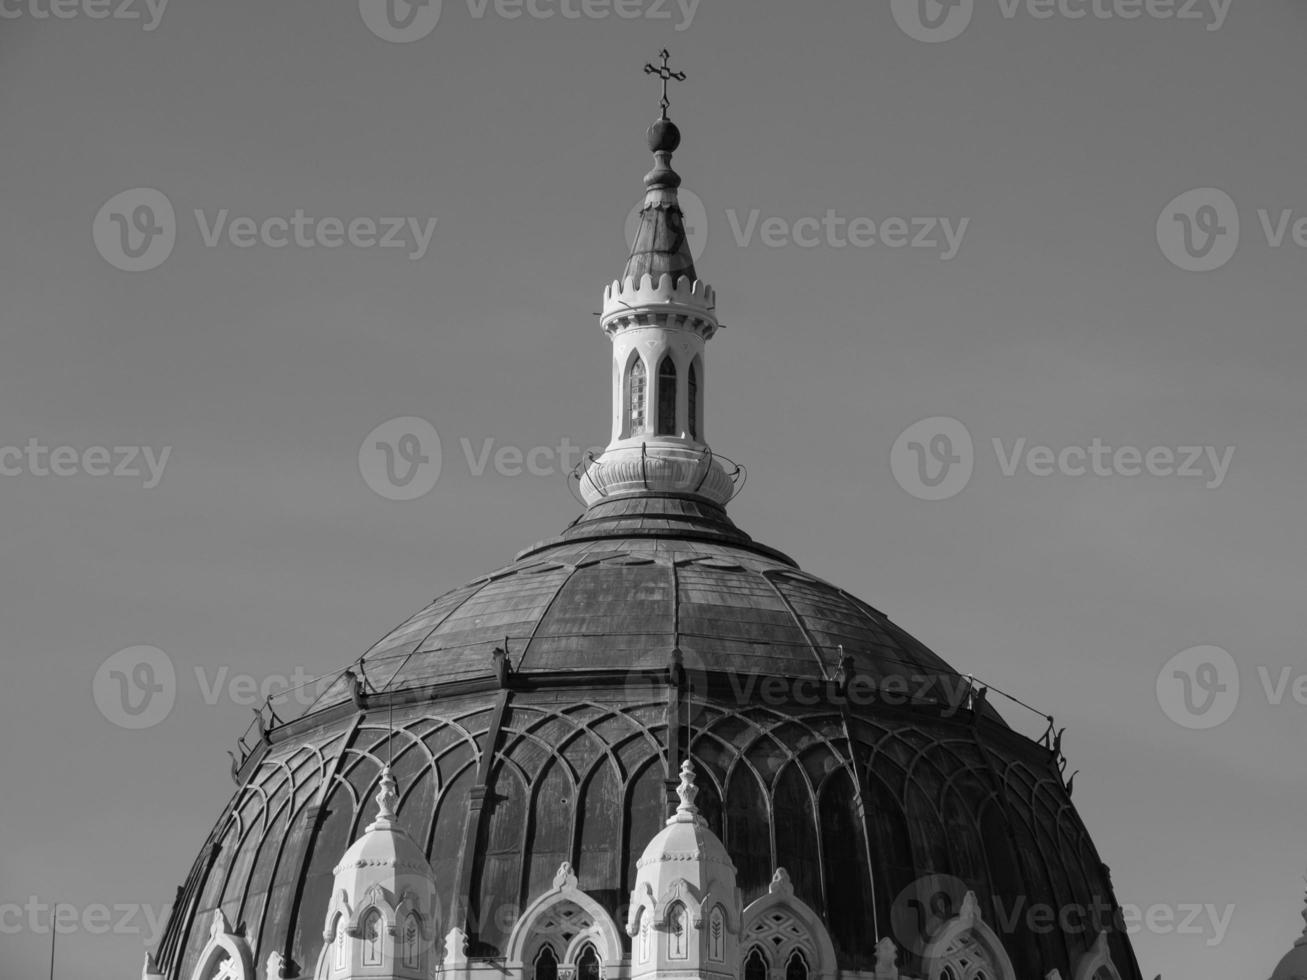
(685, 908)
(384, 919)
(659, 316)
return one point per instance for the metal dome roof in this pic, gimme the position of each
(636, 579)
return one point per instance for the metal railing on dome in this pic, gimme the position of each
(692, 483)
(359, 681)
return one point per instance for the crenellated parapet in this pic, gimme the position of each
(670, 302)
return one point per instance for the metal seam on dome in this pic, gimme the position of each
(422, 642)
(544, 614)
(812, 642)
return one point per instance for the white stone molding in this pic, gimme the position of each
(226, 956)
(967, 932)
(595, 926)
(780, 913)
(1097, 963)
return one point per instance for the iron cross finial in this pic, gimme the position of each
(666, 74)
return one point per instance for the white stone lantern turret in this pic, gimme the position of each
(383, 921)
(685, 908)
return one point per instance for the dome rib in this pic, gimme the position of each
(798, 621)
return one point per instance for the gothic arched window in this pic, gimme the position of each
(645, 930)
(678, 947)
(796, 967)
(636, 383)
(372, 938)
(667, 397)
(755, 965)
(412, 942)
(692, 389)
(717, 935)
(546, 964)
(965, 959)
(340, 943)
(587, 964)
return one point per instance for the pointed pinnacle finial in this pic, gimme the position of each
(387, 799)
(687, 791)
(1302, 940)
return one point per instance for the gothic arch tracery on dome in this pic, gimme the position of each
(966, 948)
(567, 920)
(1097, 964)
(226, 956)
(781, 923)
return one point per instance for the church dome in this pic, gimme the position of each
(1294, 964)
(876, 811)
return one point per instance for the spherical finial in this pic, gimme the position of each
(664, 136)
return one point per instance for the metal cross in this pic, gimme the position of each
(666, 74)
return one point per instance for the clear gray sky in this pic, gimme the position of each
(1059, 320)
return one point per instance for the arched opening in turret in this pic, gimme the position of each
(371, 930)
(412, 942)
(692, 391)
(796, 967)
(667, 397)
(545, 966)
(677, 933)
(587, 964)
(636, 384)
(755, 965)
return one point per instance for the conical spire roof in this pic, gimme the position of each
(661, 246)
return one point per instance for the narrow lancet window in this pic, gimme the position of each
(667, 398)
(692, 386)
(635, 403)
(587, 964)
(546, 964)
